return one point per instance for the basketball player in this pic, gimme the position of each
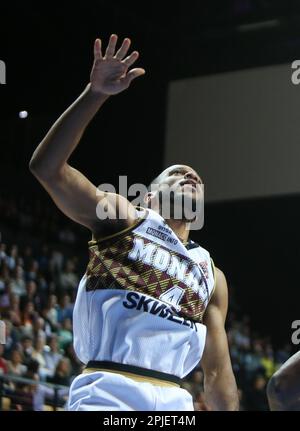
(151, 305)
(283, 389)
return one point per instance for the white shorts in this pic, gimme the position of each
(114, 392)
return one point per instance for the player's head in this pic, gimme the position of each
(178, 189)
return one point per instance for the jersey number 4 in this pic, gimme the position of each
(173, 296)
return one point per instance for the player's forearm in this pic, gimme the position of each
(221, 392)
(65, 134)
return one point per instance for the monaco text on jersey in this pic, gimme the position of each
(162, 259)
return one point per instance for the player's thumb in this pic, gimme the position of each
(132, 74)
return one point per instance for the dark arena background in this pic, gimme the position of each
(217, 94)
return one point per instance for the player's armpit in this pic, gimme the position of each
(80, 200)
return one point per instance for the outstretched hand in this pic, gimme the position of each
(110, 74)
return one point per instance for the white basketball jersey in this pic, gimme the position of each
(142, 299)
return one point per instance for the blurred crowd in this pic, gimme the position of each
(38, 286)
(37, 293)
(35, 219)
(254, 361)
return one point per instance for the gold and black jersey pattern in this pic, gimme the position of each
(110, 268)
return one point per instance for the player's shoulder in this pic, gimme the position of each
(220, 274)
(221, 288)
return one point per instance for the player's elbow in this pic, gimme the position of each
(36, 167)
(41, 170)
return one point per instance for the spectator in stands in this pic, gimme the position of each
(32, 367)
(65, 309)
(14, 310)
(268, 361)
(3, 254)
(52, 355)
(15, 365)
(76, 366)
(39, 329)
(11, 339)
(30, 295)
(62, 373)
(41, 393)
(27, 349)
(252, 361)
(239, 335)
(69, 280)
(3, 362)
(5, 294)
(38, 354)
(65, 335)
(11, 259)
(282, 355)
(32, 273)
(50, 313)
(18, 282)
(43, 290)
(56, 261)
(22, 396)
(28, 317)
(4, 274)
(32, 396)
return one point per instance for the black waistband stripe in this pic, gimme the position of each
(139, 371)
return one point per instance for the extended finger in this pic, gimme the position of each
(110, 50)
(131, 58)
(97, 49)
(123, 49)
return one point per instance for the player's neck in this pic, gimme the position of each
(180, 227)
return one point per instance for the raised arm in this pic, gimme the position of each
(72, 192)
(219, 382)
